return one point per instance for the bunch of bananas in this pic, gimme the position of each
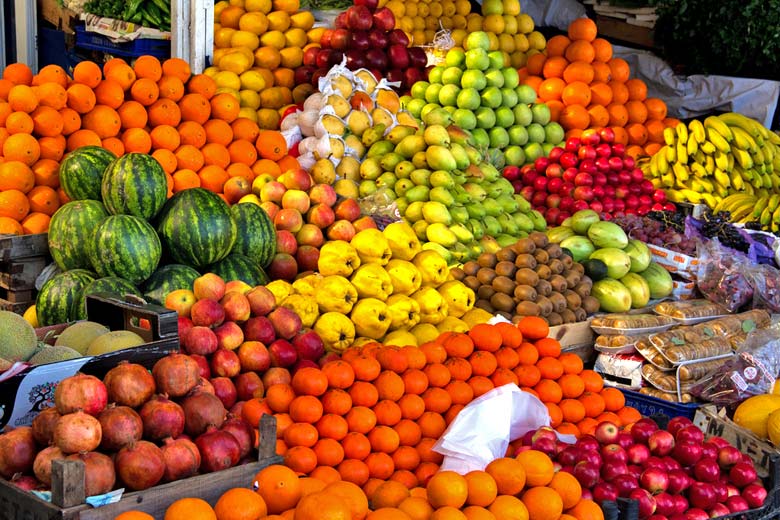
(705, 162)
(744, 208)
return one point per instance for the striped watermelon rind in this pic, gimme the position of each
(134, 184)
(59, 298)
(166, 279)
(81, 172)
(196, 227)
(125, 246)
(109, 284)
(240, 267)
(256, 237)
(70, 232)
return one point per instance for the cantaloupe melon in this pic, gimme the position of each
(17, 337)
(52, 354)
(79, 335)
(753, 413)
(113, 341)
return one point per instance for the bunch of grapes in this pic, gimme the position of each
(657, 232)
(718, 225)
(670, 219)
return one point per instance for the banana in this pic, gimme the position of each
(657, 183)
(663, 163)
(766, 217)
(709, 200)
(720, 191)
(696, 128)
(675, 196)
(670, 153)
(728, 201)
(682, 152)
(736, 180)
(698, 157)
(719, 126)
(775, 220)
(718, 140)
(775, 181)
(749, 189)
(774, 138)
(651, 167)
(767, 181)
(769, 151)
(720, 176)
(761, 203)
(669, 135)
(709, 164)
(758, 156)
(682, 132)
(742, 157)
(743, 140)
(721, 160)
(691, 146)
(690, 196)
(707, 185)
(680, 172)
(773, 203)
(740, 212)
(737, 120)
(707, 147)
(667, 179)
(698, 170)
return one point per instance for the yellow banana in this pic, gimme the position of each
(774, 138)
(749, 189)
(670, 153)
(690, 196)
(769, 151)
(758, 156)
(730, 157)
(718, 140)
(682, 153)
(766, 217)
(736, 180)
(657, 183)
(774, 201)
(737, 120)
(727, 201)
(742, 139)
(775, 220)
(707, 147)
(709, 164)
(742, 157)
(669, 135)
(651, 167)
(709, 200)
(682, 132)
(707, 185)
(692, 147)
(719, 126)
(720, 176)
(680, 172)
(698, 170)
(761, 203)
(721, 160)
(663, 164)
(668, 179)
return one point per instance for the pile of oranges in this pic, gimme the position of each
(586, 87)
(199, 135)
(375, 414)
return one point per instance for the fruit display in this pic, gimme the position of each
(672, 471)
(624, 275)
(483, 94)
(588, 172)
(586, 87)
(727, 162)
(531, 277)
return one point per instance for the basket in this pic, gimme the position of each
(654, 407)
(132, 49)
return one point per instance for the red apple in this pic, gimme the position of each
(229, 335)
(701, 495)
(754, 495)
(604, 492)
(384, 19)
(323, 194)
(225, 390)
(399, 37)
(359, 41)
(296, 199)
(288, 219)
(272, 208)
(655, 480)
(341, 230)
(185, 324)
(613, 452)
(646, 502)
(259, 328)
(199, 340)
(398, 55)
(418, 60)
(286, 322)
(309, 345)
(625, 484)
(742, 474)
(209, 286)
(286, 242)
(690, 433)
(679, 481)
(371, 4)
(261, 301)
(638, 453)
(586, 474)
(225, 363)
(321, 215)
(307, 258)
(204, 370)
(359, 18)
(728, 456)
(310, 235)
(283, 267)
(377, 38)
(249, 385)
(207, 313)
(254, 356)
(364, 222)
(283, 354)
(347, 209)
(706, 470)
(236, 306)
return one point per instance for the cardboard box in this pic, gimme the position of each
(62, 18)
(684, 266)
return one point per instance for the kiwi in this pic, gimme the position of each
(573, 300)
(471, 267)
(576, 266)
(472, 282)
(555, 265)
(572, 278)
(558, 301)
(458, 273)
(526, 276)
(580, 314)
(525, 293)
(486, 275)
(524, 246)
(590, 304)
(568, 316)
(554, 250)
(516, 318)
(545, 305)
(485, 292)
(539, 238)
(554, 319)
(558, 283)
(502, 302)
(503, 284)
(541, 256)
(543, 287)
(506, 254)
(525, 260)
(487, 260)
(485, 306)
(567, 261)
(506, 268)
(527, 309)
(543, 271)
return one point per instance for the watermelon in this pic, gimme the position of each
(59, 298)
(134, 184)
(81, 172)
(70, 232)
(256, 237)
(239, 267)
(109, 284)
(196, 227)
(125, 246)
(167, 279)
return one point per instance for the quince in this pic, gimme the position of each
(404, 312)
(400, 338)
(371, 318)
(337, 257)
(304, 306)
(404, 276)
(425, 332)
(372, 281)
(432, 266)
(452, 324)
(336, 331)
(402, 239)
(336, 294)
(372, 247)
(460, 299)
(308, 284)
(281, 289)
(433, 308)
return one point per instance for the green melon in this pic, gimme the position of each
(256, 237)
(166, 279)
(125, 246)
(70, 232)
(52, 354)
(134, 184)
(239, 267)
(79, 335)
(81, 172)
(58, 299)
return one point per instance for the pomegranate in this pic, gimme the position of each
(218, 450)
(204, 385)
(99, 473)
(140, 465)
(201, 410)
(76, 432)
(225, 390)
(129, 384)
(242, 431)
(17, 451)
(80, 392)
(182, 458)
(176, 374)
(42, 463)
(43, 425)
(121, 425)
(162, 418)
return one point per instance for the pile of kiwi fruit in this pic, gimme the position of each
(531, 277)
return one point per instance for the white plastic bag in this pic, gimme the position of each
(483, 429)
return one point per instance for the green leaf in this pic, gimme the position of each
(708, 332)
(678, 341)
(748, 326)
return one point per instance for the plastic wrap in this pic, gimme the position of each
(630, 324)
(691, 311)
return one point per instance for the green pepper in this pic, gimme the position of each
(131, 9)
(164, 7)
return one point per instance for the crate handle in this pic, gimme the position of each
(103, 307)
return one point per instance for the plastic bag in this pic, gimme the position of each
(765, 280)
(721, 277)
(751, 372)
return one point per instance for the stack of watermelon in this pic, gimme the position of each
(119, 233)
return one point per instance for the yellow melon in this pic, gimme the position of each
(113, 341)
(753, 413)
(773, 427)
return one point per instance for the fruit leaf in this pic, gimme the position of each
(678, 341)
(748, 326)
(708, 332)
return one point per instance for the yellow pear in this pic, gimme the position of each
(333, 125)
(342, 85)
(341, 106)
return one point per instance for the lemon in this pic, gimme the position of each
(237, 3)
(398, 8)
(474, 24)
(418, 37)
(448, 8)
(411, 10)
(219, 7)
(315, 34)
(287, 6)
(506, 43)
(423, 10)
(418, 23)
(458, 35)
(446, 22)
(519, 59)
(258, 6)
(536, 41)
(525, 24)
(459, 22)
(227, 79)
(254, 22)
(435, 9)
(268, 119)
(292, 57)
(431, 24)
(233, 92)
(510, 24)
(278, 21)
(252, 80)
(511, 7)
(273, 39)
(211, 71)
(250, 99)
(222, 37)
(295, 37)
(430, 34)
(493, 41)
(493, 23)
(492, 7)
(302, 20)
(268, 58)
(407, 24)
(245, 39)
(248, 113)
(462, 7)
(521, 43)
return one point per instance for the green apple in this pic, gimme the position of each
(421, 177)
(536, 133)
(464, 119)
(523, 114)
(547, 148)
(468, 99)
(402, 186)
(497, 59)
(417, 194)
(554, 133)
(491, 97)
(525, 93)
(403, 169)
(477, 40)
(509, 97)
(448, 95)
(514, 155)
(481, 138)
(366, 188)
(511, 77)
(486, 118)
(415, 106)
(473, 79)
(441, 179)
(499, 138)
(494, 78)
(451, 76)
(434, 76)
(440, 194)
(414, 210)
(505, 118)
(518, 135)
(541, 113)
(477, 59)
(386, 180)
(418, 89)
(532, 152)
(455, 57)
(431, 94)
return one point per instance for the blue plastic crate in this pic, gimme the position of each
(650, 406)
(133, 49)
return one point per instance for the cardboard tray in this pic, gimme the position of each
(25, 394)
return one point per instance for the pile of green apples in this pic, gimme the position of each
(484, 95)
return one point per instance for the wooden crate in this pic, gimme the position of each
(22, 258)
(60, 17)
(68, 489)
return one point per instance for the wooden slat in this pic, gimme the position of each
(21, 273)
(17, 307)
(620, 30)
(21, 296)
(16, 246)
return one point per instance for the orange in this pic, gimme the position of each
(336, 401)
(458, 346)
(507, 357)
(554, 67)
(586, 510)
(190, 509)
(508, 474)
(417, 508)
(550, 368)
(614, 399)
(533, 327)
(508, 507)
(601, 72)
(447, 488)
(571, 385)
(637, 112)
(380, 465)
(637, 90)
(618, 115)
(573, 410)
(364, 394)
(486, 337)
(580, 50)
(556, 46)
(567, 487)
(551, 89)
(619, 69)
(583, 29)
(578, 71)
(593, 381)
(322, 505)
(240, 504)
(593, 402)
(279, 487)
(306, 408)
(538, 467)
(482, 488)
(148, 67)
(656, 109)
(527, 375)
(309, 381)
(478, 513)
(543, 503)
(555, 413)
(572, 363)
(389, 494)
(328, 452)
